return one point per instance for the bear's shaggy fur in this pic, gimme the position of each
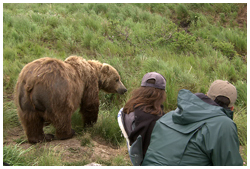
(50, 90)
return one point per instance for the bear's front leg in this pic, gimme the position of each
(89, 108)
(89, 114)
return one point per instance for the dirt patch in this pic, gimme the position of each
(242, 15)
(71, 150)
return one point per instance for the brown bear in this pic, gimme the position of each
(51, 90)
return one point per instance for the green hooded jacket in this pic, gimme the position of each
(196, 133)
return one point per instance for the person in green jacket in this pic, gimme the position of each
(200, 132)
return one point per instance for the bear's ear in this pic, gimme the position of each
(105, 68)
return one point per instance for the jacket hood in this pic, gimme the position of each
(192, 109)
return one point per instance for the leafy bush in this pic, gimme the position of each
(183, 42)
(182, 12)
(226, 48)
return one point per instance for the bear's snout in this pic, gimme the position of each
(122, 89)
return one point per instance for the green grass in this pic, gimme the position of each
(10, 119)
(48, 156)
(190, 44)
(12, 155)
(240, 118)
(17, 156)
(117, 161)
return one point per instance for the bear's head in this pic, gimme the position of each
(110, 80)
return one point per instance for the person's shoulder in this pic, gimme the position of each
(223, 119)
(222, 123)
(166, 118)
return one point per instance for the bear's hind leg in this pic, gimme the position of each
(33, 126)
(63, 127)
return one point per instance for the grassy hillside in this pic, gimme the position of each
(190, 44)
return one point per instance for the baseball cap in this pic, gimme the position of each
(223, 88)
(160, 81)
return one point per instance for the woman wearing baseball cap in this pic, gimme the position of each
(143, 109)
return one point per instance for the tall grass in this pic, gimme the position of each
(47, 156)
(240, 118)
(10, 119)
(17, 156)
(190, 44)
(13, 155)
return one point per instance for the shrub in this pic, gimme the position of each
(226, 48)
(182, 12)
(183, 42)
